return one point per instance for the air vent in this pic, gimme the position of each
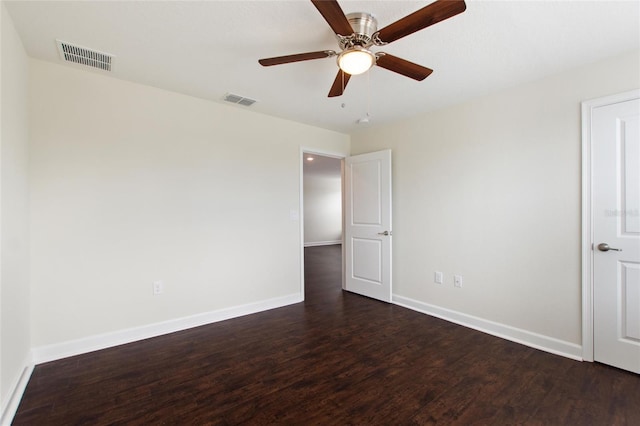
(240, 100)
(83, 56)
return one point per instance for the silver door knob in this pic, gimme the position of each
(387, 233)
(605, 247)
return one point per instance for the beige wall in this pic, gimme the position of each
(14, 251)
(132, 184)
(490, 189)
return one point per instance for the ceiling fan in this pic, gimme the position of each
(357, 32)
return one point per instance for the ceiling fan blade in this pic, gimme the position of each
(333, 14)
(267, 62)
(339, 84)
(402, 66)
(428, 15)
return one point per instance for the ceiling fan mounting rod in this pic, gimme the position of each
(364, 26)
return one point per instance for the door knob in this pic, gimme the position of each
(384, 233)
(605, 247)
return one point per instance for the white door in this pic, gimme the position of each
(368, 225)
(616, 233)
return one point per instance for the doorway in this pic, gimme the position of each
(321, 206)
(365, 182)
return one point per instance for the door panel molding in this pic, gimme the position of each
(368, 222)
(587, 215)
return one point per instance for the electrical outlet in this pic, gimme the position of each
(158, 288)
(438, 278)
(457, 281)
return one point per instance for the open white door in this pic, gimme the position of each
(615, 142)
(368, 225)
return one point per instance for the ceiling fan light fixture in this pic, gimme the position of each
(356, 60)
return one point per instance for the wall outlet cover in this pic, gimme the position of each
(158, 288)
(457, 281)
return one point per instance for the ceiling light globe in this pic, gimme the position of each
(356, 60)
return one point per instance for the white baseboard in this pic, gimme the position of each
(322, 243)
(93, 343)
(528, 338)
(10, 406)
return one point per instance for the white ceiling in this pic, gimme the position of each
(208, 48)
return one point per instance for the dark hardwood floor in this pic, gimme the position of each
(335, 359)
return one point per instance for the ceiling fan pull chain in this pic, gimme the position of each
(369, 93)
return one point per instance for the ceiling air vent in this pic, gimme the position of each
(240, 100)
(82, 55)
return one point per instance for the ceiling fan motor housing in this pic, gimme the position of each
(364, 27)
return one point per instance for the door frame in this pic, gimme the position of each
(323, 153)
(587, 214)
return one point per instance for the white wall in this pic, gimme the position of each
(322, 201)
(132, 184)
(490, 189)
(14, 230)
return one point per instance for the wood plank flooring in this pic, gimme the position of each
(336, 359)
